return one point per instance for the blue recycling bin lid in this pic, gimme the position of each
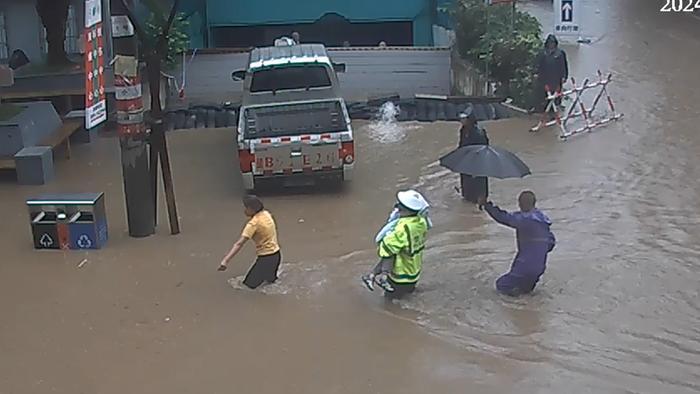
(66, 199)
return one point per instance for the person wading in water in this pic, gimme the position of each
(400, 245)
(472, 134)
(261, 228)
(535, 241)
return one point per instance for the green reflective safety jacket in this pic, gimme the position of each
(405, 243)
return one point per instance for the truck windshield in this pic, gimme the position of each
(290, 78)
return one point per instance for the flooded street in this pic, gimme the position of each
(618, 310)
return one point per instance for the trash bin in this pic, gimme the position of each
(86, 232)
(68, 221)
(44, 230)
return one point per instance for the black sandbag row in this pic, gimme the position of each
(200, 118)
(426, 110)
(422, 110)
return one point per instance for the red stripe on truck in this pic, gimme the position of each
(246, 160)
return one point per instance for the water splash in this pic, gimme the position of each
(384, 128)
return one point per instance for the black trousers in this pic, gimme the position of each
(474, 187)
(263, 270)
(400, 290)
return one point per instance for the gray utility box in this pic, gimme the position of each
(28, 128)
(34, 165)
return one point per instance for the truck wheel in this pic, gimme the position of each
(248, 182)
(338, 182)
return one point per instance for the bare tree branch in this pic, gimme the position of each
(162, 40)
(140, 32)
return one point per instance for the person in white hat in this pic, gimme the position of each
(400, 246)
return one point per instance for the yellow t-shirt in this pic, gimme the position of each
(262, 230)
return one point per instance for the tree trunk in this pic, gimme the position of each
(53, 14)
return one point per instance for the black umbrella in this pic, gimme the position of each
(485, 160)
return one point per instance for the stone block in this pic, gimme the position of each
(34, 165)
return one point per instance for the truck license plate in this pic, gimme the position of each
(319, 159)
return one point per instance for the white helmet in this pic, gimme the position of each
(412, 200)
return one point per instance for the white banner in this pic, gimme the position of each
(93, 12)
(95, 114)
(122, 27)
(127, 92)
(567, 17)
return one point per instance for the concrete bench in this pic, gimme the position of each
(59, 137)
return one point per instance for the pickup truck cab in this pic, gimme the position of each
(294, 125)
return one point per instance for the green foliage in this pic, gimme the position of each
(178, 38)
(490, 35)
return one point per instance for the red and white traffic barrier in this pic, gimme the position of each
(578, 108)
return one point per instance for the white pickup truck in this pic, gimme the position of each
(294, 126)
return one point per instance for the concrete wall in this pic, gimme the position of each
(369, 72)
(466, 80)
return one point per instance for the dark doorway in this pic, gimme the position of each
(331, 30)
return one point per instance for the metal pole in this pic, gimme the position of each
(488, 51)
(131, 129)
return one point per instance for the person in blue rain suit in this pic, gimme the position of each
(535, 241)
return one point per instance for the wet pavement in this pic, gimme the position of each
(617, 312)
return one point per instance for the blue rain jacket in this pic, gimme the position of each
(534, 237)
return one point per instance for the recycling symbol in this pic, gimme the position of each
(84, 242)
(46, 240)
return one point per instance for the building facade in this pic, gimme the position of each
(21, 28)
(245, 23)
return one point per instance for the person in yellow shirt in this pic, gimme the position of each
(262, 230)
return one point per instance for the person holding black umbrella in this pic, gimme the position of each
(472, 134)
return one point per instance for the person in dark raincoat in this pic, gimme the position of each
(472, 134)
(535, 241)
(552, 71)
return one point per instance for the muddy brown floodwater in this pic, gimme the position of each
(618, 310)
